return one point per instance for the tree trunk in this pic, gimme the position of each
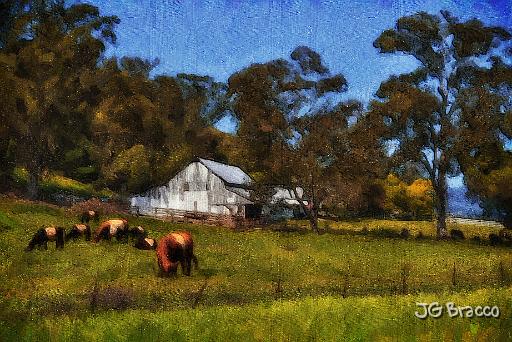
(313, 220)
(441, 193)
(32, 186)
(34, 177)
(309, 209)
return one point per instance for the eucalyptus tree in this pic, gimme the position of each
(293, 134)
(425, 110)
(486, 110)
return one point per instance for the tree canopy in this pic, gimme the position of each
(293, 137)
(427, 111)
(112, 123)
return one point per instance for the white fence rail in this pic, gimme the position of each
(172, 212)
(485, 223)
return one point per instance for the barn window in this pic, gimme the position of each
(207, 186)
(186, 186)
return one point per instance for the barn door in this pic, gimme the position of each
(195, 205)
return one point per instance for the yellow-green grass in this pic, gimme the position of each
(371, 318)
(427, 228)
(53, 183)
(251, 268)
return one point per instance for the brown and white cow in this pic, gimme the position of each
(79, 230)
(110, 228)
(138, 232)
(43, 235)
(145, 243)
(173, 249)
(89, 215)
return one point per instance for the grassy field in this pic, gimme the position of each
(52, 184)
(289, 285)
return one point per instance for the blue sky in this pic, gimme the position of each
(220, 37)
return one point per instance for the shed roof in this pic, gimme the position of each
(228, 173)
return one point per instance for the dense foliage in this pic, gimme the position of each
(407, 201)
(98, 120)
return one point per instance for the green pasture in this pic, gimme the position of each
(288, 284)
(53, 183)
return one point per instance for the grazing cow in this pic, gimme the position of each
(145, 243)
(173, 249)
(115, 227)
(495, 239)
(89, 215)
(79, 230)
(138, 232)
(43, 235)
(506, 236)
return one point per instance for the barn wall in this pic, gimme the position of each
(206, 193)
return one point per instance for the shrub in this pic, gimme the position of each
(131, 169)
(104, 208)
(505, 235)
(420, 236)
(407, 202)
(456, 234)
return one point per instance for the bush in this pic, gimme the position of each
(505, 235)
(407, 202)
(131, 169)
(104, 208)
(456, 234)
(54, 184)
(420, 236)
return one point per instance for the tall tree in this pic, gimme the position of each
(45, 48)
(144, 130)
(331, 162)
(486, 114)
(266, 97)
(422, 110)
(291, 135)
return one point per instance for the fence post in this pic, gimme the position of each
(454, 275)
(404, 272)
(502, 273)
(344, 292)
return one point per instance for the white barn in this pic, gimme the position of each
(204, 187)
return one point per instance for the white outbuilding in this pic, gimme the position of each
(203, 187)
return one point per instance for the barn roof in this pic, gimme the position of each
(228, 173)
